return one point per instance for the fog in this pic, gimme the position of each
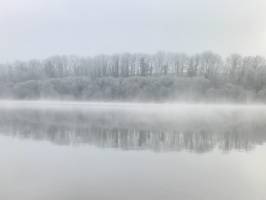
(132, 99)
(91, 150)
(129, 126)
(138, 77)
(39, 29)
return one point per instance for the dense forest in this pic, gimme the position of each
(162, 76)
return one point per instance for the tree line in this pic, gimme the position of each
(160, 76)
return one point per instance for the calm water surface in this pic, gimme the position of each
(133, 152)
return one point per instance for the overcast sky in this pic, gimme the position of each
(41, 28)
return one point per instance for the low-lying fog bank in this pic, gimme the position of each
(125, 105)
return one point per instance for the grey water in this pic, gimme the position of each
(118, 151)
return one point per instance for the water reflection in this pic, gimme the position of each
(139, 130)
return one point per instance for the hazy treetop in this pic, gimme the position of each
(41, 28)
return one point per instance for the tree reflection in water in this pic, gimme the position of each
(139, 130)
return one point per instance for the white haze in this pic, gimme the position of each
(180, 107)
(41, 28)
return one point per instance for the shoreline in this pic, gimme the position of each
(116, 104)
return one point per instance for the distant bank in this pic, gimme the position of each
(161, 77)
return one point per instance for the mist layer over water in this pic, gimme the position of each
(55, 150)
(198, 128)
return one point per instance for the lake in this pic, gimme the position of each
(113, 151)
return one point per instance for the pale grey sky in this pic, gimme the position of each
(41, 28)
